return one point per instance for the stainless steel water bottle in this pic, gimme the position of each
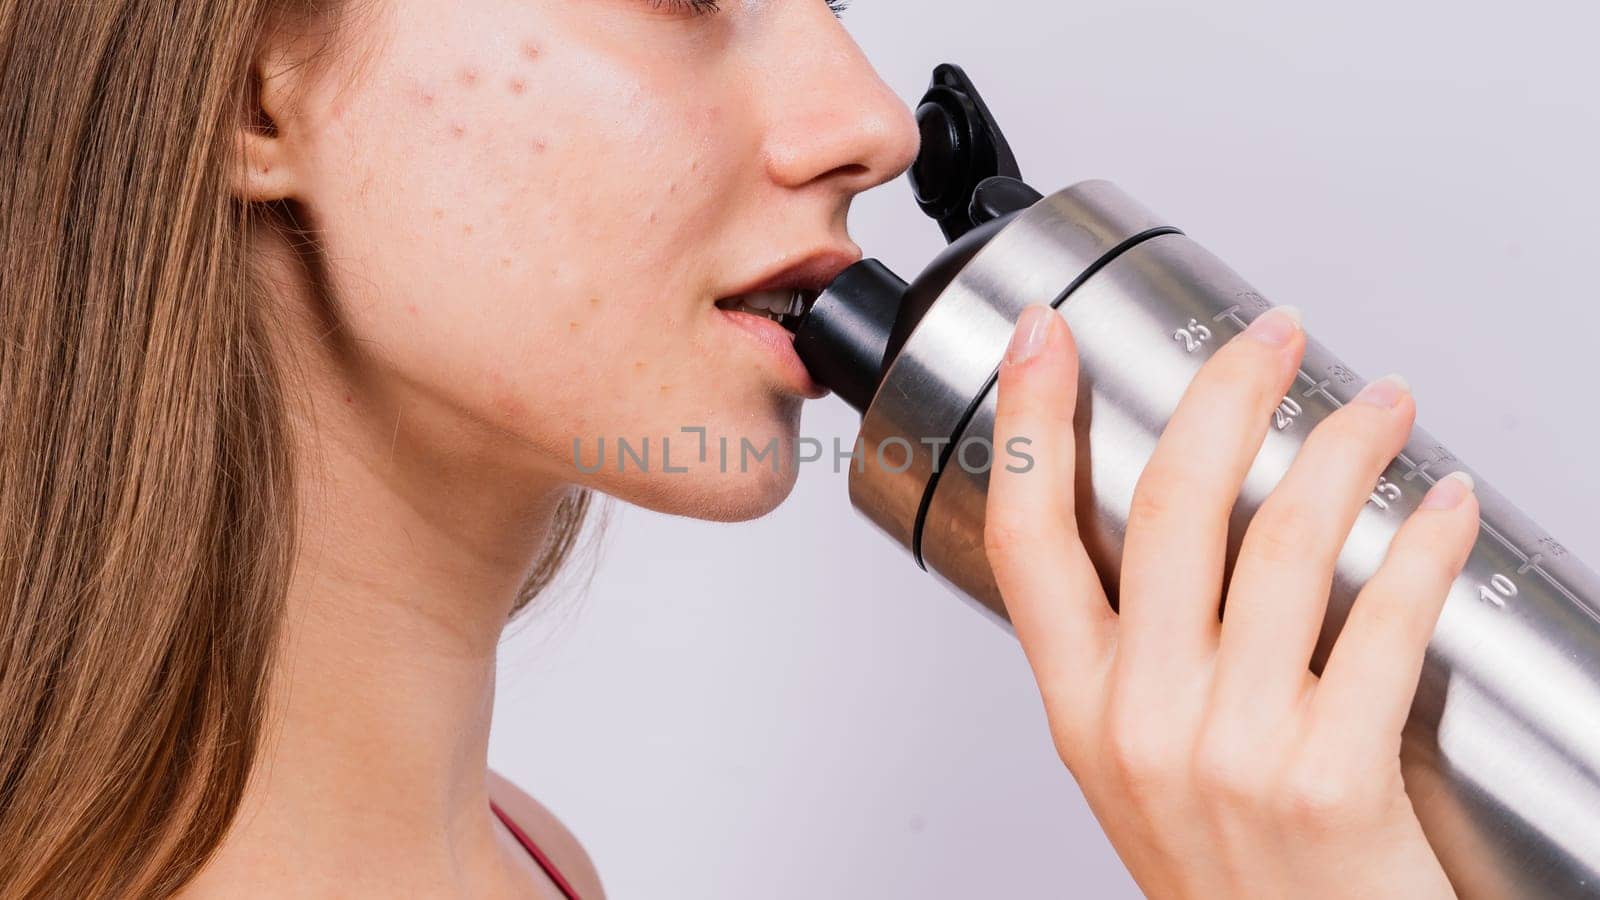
(1502, 750)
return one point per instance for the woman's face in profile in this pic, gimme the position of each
(530, 209)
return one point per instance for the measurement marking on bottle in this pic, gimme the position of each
(1286, 413)
(1497, 591)
(1254, 300)
(1193, 336)
(1385, 494)
(1531, 560)
(1317, 387)
(1413, 468)
(1232, 315)
(1540, 570)
(1420, 465)
(1556, 550)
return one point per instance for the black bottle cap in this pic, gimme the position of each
(962, 145)
(843, 336)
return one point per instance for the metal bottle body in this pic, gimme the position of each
(1502, 751)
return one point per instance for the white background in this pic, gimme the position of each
(789, 709)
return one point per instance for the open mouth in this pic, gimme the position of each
(786, 307)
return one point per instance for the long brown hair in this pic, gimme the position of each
(146, 502)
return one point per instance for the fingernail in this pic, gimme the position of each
(1449, 491)
(1276, 326)
(1033, 328)
(1385, 392)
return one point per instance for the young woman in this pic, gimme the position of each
(304, 304)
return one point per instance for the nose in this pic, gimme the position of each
(833, 120)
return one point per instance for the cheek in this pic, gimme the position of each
(501, 217)
(521, 163)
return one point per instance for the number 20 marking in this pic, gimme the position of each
(1287, 411)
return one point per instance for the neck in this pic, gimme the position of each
(371, 777)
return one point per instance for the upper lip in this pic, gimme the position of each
(812, 272)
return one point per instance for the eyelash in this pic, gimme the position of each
(704, 7)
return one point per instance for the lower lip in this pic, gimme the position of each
(777, 344)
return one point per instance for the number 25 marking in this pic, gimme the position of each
(1192, 335)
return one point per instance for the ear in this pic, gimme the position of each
(267, 165)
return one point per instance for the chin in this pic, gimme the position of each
(712, 496)
(722, 487)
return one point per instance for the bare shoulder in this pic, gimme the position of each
(552, 837)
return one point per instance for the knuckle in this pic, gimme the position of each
(1384, 611)
(1420, 567)
(1155, 497)
(1006, 537)
(1321, 798)
(1408, 607)
(1139, 756)
(1350, 435)
(1251, 368)
(1284, 530)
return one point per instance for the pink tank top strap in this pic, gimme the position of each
(538, 855)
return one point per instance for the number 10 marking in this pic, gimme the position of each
(1499, 589)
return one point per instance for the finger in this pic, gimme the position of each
(1051, 591)
(1278, 594)
(1367, 686)
(1178, 526)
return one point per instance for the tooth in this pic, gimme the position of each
(773, 300)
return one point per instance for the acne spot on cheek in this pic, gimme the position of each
(505, 262)
(513, 408)
(654, 217)
(510, 405)
(538, 145)
(466, 229)
(349, 399)
(458, 131)
(573, 325)
(411, 308)
(468, 77)
(530, 51)
(518, 86)
(418, 93)
(438, 213)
